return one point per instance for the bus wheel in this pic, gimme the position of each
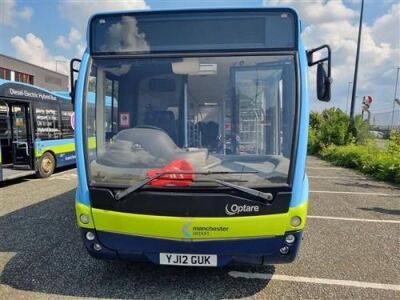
(46, 165)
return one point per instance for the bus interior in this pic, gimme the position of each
(225, 113)
(15, 139)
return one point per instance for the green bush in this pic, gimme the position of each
(369, 159)
(394, 143)
(331, 127)
(361, 134)
(329, 137)
(334, 127)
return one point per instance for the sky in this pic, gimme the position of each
(51, 32)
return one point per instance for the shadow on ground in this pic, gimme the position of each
(50, 258)
(369, 186)
(395, 212)
(30, 177)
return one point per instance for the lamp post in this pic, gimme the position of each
(395, 96)
(348, 93)
(353, 96)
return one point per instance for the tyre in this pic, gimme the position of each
(46, 165)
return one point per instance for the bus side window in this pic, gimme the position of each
(111, 108)
(4, 121)
(66, 123)
(47, 122)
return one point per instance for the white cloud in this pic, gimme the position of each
(32, 49)
(79, 12)
(376, 67)
(72, 40)
(318, 11)
(79, 49)
(379, 56)
(386, 29)
(62, 42)
(9, 13)
(74, 36)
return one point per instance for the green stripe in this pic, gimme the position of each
(70, 147)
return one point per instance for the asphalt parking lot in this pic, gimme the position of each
(350, 249)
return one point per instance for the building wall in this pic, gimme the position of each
(42, 77)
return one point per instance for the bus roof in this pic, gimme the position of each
(24, 91)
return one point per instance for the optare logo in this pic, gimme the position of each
(235, 209)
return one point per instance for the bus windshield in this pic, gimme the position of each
(226, 114)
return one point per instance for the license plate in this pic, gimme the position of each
(204, 260)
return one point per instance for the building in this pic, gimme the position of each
(17, 70)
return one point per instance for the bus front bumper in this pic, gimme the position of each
(254, 251)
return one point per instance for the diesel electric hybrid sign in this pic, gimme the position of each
(17, 90)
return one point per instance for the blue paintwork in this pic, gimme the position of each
(65, 159)
(133, 248)
(300, 181)
(82, 192)
(300, 186)
(64, 94)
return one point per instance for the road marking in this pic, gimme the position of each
(357, 193)
(351, 283)
(355, 177)
(355, 219)
(70, 176)
(326, 168)
(65, 172)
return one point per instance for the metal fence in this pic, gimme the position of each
(385, 120)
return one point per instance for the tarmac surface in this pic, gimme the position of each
(351, 249)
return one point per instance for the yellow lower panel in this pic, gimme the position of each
(197, 228)
(86, 210)
(57, 149)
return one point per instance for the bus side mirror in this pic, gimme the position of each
(72, 72)
(324, 79)
(323, 83)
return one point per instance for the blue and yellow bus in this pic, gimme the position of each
(36, 130)
(200, 158)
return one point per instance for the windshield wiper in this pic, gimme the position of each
(247, 190)
(121, 194)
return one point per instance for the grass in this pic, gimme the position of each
(383, 164)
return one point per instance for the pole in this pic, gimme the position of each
(348, 93)
(395, 95)
(353, 96)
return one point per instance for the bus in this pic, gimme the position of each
(36, 130)
(200, 158)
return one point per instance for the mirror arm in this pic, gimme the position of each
(328, 58)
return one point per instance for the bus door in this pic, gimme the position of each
(20, 136)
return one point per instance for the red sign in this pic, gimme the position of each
(367, 100)
(124, 119)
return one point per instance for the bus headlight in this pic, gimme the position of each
(290, 238)
(90, 236)
(97, 247)
(284, 250)
(84, 218)
(295, 221)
